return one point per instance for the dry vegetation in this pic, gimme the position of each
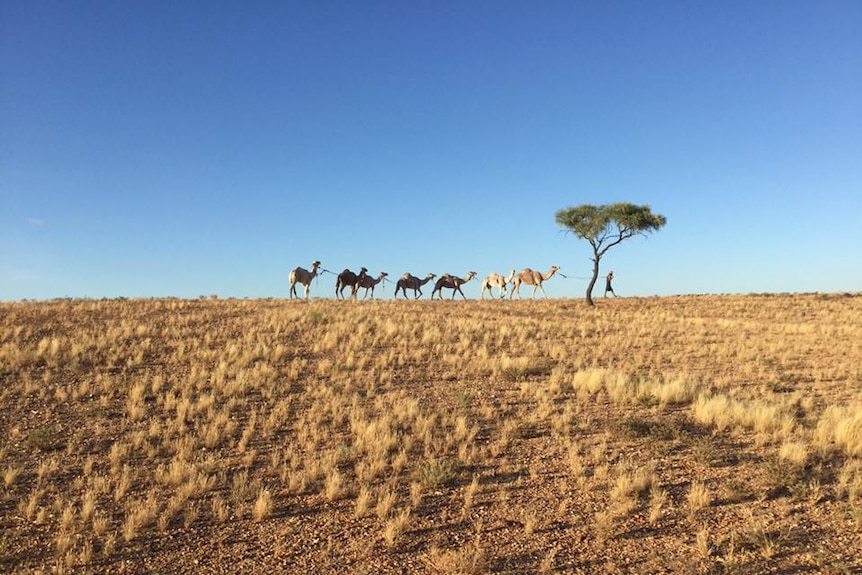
(704, 434)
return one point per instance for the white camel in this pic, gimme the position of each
(304, 277)
(533, 278)
(496, 281)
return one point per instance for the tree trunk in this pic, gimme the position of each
(593, 281)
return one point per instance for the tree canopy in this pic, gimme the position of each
(606, 226)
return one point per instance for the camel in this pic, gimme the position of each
(412, 282)
(368, 282)
(533, 278)
(498, 281)
(303, 276)
(453, 283)
(348, 278)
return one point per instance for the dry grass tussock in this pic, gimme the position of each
(715, 432)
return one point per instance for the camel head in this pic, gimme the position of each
(470, 275)
(382, 275)
(430, 276)
(315, 264)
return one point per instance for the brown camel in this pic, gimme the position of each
(409, 281)
(369, 283)
(453, 283)
(533, 278)
(496, 281)
(304, 277)
(348, 278)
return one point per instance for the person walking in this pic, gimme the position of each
(608, 287)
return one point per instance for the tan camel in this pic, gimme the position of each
(409, 281)
(533, 278)
(496, 281)
(304, 277)
(453, 283)
(369, 283)
(348, 278)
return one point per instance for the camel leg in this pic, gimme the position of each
(543, 291)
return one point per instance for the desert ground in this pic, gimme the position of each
(687, 434)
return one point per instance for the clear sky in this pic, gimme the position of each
(194, 148)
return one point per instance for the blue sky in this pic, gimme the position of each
(194, 148)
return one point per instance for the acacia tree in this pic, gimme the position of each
(606, 226)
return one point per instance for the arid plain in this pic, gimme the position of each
(689, 434)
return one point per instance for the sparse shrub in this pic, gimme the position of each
(316, 316)
(46, 439)
(782, 475)
(519, 369)
(636, 427)
(464, 399)
(438, 473)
